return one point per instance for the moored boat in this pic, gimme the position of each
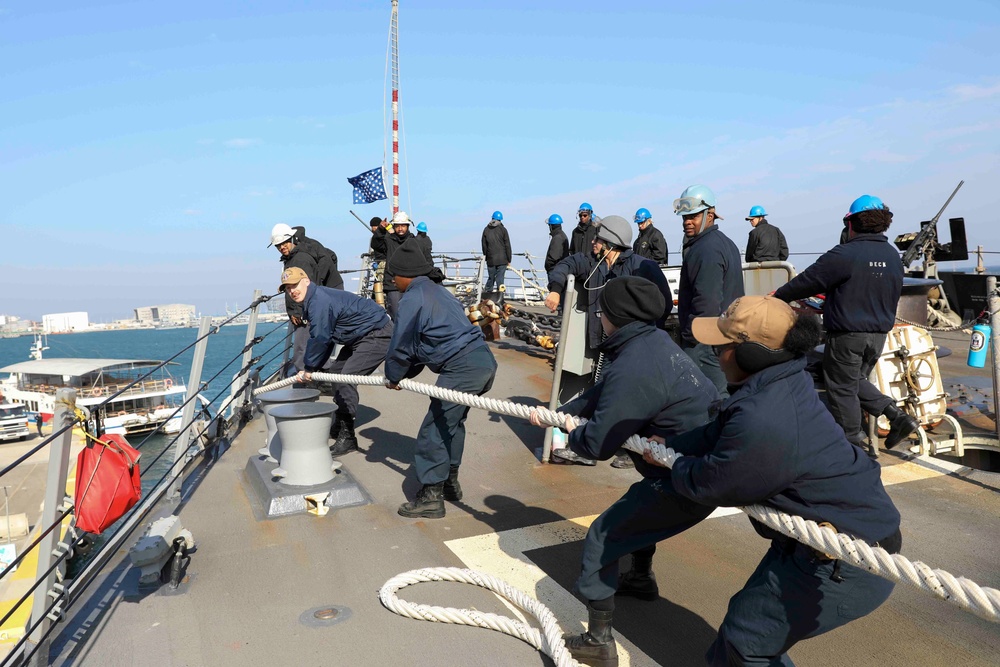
(137, 399)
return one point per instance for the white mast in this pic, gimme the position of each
(394, 50)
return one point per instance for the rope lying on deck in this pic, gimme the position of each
(959, 591)
(549, 640)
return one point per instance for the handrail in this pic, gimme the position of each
(58, 598)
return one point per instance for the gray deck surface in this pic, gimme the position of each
(249, 581)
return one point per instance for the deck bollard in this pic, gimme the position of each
(272, 443)
(304, 430)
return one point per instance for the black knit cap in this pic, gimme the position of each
(630, 299)
(409, 260)
(375, 222)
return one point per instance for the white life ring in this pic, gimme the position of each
(97, 391)
(168, 383)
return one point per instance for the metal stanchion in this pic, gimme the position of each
(187, 415)
(55, 494)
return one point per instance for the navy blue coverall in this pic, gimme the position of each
(649, 387)
(360, 325)
(711, 279)
(432, 330)
(806, 467)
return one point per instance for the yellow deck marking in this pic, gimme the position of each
(503, 555)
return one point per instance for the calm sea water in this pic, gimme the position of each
(151, 344)
(223, 347)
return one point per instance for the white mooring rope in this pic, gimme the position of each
(965, 593)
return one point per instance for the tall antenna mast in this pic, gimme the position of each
(394, 49)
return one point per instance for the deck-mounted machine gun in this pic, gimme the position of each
(925, 243)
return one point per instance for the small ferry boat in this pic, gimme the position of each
(132, 405)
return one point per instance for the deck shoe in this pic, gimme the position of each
(622, 460)
(429, 503)
(638, 584)
(346, 440)
(452, 489)
(596, 646)
(901, 425)
(566, 456)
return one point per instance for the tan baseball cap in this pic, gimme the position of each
(760, 319)
(291, 276)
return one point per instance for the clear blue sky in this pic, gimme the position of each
(146, 149)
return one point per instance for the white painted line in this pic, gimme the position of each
(503, 555)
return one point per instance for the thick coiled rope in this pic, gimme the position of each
(962, 592)
(549, 640)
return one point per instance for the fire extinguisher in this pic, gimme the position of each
(979, 344)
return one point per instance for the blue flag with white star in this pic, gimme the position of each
(368, 187)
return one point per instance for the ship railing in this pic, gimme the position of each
(202, 439)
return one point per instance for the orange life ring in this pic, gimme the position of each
(97, 391)
(168, 383)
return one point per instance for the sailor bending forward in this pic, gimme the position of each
(337, 317)
(649, 387)
(801, 464)
(433, 330)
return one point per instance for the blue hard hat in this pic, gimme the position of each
(497, 215)
(422, 227)
(694, 199)
(585, 207)
(866, 203)
(555, 219)
(642, 215)
(757, 212)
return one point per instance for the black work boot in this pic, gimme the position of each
(346, 440)
(452, 489)
(901, 425)
(429, 503)
(335, 426)
(596, 646)
(622, 460)
(566, 456)
(639, 582)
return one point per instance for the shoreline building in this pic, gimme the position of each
(174, 314)
(65, 322)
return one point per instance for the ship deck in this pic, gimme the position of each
(251, 580)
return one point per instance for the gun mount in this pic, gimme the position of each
(925, 242)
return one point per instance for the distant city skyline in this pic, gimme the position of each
(148, 149)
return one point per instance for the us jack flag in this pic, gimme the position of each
(368, 187)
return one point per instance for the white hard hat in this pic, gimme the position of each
(400, 218)
(280, 233)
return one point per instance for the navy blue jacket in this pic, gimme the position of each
(766, 243)
(431, 329)
(862, 280)
(628, 264)
(583, 238)
(649, 387)
(337, 317)
(801, 465)
(651, 245)
(496, 244)
(711, 278)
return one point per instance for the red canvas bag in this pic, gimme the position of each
(107, 483)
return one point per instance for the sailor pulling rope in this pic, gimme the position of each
(981, 601)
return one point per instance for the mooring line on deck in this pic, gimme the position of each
(959, 591)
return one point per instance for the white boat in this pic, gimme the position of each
(148, 405)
